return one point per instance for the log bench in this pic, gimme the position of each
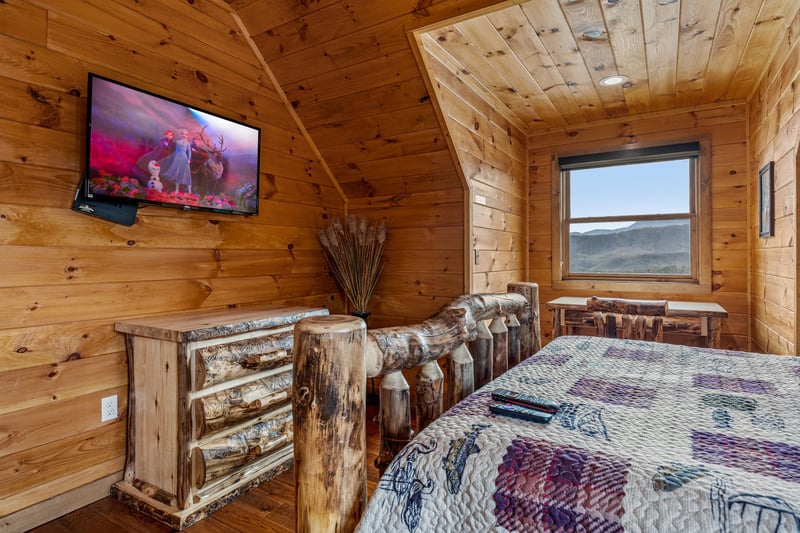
(700, 319)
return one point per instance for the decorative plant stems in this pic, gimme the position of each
(354, 254)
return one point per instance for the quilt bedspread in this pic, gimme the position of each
(648, 437)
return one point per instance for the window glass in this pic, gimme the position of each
(630, 217)
(636, 189)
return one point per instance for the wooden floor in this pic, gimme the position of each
(268, 508)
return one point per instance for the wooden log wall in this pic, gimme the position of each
(350, 72)
(65, 278)
(725, 127)
(775, 135)
(491, 151)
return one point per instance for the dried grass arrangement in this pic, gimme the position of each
(354, 252)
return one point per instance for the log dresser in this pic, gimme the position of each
(209, 408)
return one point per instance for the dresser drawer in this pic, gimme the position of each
(218, 363)
(223, 455)
(243, 401)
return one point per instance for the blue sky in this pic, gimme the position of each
(644, 188)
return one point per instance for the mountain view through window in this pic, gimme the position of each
(644, 247)
(630, 217)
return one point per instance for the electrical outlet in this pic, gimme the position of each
(108, 408)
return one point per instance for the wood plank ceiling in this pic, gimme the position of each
(542, 61)
(349, 70)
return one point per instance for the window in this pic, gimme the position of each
(634, 216)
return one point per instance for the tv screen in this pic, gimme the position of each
(149, 149)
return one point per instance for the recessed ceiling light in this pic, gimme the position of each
(593, 34)
(610, 81)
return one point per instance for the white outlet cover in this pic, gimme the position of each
(108, 408)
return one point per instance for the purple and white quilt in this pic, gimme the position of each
(648, 437)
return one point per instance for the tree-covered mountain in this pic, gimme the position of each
(651, 247)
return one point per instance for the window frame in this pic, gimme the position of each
(700, 221)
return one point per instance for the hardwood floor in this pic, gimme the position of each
(268, 508)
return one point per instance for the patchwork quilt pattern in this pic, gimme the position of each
(648, 437)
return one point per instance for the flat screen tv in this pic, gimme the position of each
(148, 149)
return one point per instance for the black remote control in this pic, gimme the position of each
(518, 411)
(525, 400)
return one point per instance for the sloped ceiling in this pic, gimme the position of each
(350, 72)
(348, 67)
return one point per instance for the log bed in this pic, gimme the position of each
(647, 436)
(334, 356)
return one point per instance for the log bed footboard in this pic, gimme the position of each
(333, 357)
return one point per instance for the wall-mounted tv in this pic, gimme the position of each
(148, 149)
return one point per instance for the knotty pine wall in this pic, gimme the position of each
(65, 278)
(492, 154)
(350, 72)
(725, 126)
(775, 135)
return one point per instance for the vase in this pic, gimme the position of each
(372, 396)
(363, 315)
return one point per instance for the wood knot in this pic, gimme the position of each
(302, 395)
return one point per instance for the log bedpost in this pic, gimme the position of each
(429, 394)
(481, 350)
(329, 423)
(530, 334)
(513, 341)
(460, 375)
(394, 417)
(499, 346)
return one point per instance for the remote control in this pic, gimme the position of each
(518, 411)
(525, 400)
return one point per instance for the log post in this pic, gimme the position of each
(460, 375)
(640, 328)
(499, 333)
(481, 350)
(513, 341)
(627, 327)
(329, 423)
(557, 322)
(714, 326)
(611, 324)
(657, 327)
(429, 394)
(530, 335)
(394, 418)
(606, 324)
